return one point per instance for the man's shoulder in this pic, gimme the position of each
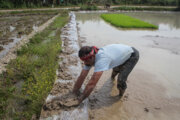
(101, 54)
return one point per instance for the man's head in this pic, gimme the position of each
(87, 55)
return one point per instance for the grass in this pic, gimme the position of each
(124, 21)
(31, 12)
(35, 67)
(89, 7)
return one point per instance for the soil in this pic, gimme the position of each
(60, 88)
(67, 101)
(64, 100)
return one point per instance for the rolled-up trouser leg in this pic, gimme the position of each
(124, 71)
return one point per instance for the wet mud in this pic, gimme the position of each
(61, 98)
(167, 43)
(64, 98)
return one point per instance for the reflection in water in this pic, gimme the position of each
(35, 28)
(10, 45)
(12, 28)
(170, 18)
(93, 17)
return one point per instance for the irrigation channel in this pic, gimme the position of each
(153, 86)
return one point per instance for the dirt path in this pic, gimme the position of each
(11, 53)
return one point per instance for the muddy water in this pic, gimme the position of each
(154, 84)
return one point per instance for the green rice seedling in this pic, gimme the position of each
(124, 21)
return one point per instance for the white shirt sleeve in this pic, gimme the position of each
(86, 67)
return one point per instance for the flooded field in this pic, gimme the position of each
(14, 27)
(154, 84)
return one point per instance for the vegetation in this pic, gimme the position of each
(129, 8)
(52, 3)
(148, 2)
(30, 12)
(124, 21)
(88, 7)
(30, 77)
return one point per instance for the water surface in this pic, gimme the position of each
(154, 84)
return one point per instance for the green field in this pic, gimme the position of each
(124, 21)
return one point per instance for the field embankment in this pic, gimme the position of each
(29, 78)
(146, 8)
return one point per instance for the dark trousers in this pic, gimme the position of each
(125, 69)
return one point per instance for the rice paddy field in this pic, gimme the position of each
(29, 78)
(124, 21)
(153, 85)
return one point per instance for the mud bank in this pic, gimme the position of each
(16, 30)
(69, 69)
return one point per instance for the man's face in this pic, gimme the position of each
(90, 62)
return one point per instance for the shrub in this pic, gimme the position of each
(88, 7)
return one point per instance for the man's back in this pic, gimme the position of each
(121, 58)
(111, 56)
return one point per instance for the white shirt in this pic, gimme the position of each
(111, 56)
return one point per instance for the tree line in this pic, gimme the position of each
(41, 3)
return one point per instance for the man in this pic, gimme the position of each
(120, 58)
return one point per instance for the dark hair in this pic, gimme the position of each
(84, 51)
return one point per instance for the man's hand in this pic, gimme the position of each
(80, 81)
(90, 86)
(80, 99)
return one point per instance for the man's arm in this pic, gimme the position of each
(80, 81)
(90, 86)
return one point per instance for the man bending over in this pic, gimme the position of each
(121, 58)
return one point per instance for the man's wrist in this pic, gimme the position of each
(81, 98)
